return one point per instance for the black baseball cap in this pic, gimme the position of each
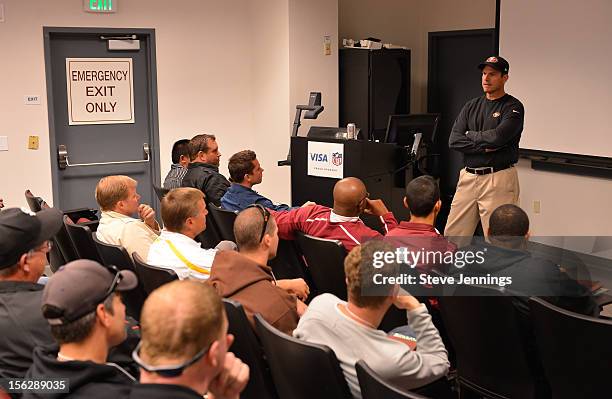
(498, 63)
(79, 286)
(21, 231)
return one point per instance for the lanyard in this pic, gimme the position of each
(185, 261)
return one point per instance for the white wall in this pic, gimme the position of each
(223, 68)
(575, 32)
(407, 23)
(309, 69)
(570, 205)
(270, 95)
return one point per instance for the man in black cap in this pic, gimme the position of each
(487, 132)
(23, 256)
(87, 318)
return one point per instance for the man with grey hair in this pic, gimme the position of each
(24, 244)
(87, 317)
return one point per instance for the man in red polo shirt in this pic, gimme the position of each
(340, 223)
(419, 234)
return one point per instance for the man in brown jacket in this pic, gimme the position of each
(246, 278)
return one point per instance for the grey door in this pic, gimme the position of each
(117, 148)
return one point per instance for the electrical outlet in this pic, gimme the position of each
(537, 207)
(33, 143)
(327, 45)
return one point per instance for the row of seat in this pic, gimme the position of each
(504, 353)
(284, 367)
(77, 241)
(490, 351)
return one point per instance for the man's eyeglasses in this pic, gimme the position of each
(266, 217)
(45, 248)
(167, 371)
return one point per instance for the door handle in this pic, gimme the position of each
(62, 157)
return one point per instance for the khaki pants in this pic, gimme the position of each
(477, 196)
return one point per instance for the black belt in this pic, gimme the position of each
(486, 169)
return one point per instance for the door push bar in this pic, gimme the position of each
(62, 156)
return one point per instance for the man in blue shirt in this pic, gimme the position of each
(245, 171)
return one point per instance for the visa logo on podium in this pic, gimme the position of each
(326, 159)
(318, 157)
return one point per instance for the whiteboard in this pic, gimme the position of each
(560, 55)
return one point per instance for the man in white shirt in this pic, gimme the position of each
(184, 214)
(119, 201)
(350, 328)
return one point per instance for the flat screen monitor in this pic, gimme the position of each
(402, 128)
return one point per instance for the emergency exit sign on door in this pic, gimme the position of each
(99, 91)
(101, 6)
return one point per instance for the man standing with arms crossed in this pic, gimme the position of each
(487, 132)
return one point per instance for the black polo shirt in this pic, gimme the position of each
(488, 132)
(23, 326)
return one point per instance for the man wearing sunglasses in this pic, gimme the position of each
(340, 223)
(81, 303)
(23, 256)
(184, 348)
(246, 278)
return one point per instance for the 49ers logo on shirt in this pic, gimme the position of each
(496, 114)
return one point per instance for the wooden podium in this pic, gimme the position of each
(376, 164)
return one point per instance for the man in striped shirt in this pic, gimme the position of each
(178, 169)
(340, 223)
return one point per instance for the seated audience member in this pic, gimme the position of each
(340, 223)
(180, 160)
(119, 202)
(350, 328)
(184, 348)
(203, 170)
(246, 278)
(184, 215)
(245, 172)
(507, 256)
(87, 318)
(423, 201)
(23, 248)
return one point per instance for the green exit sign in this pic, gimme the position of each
(101, 6)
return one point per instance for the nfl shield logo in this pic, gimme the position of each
(337, 158)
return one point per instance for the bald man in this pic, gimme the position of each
(183, 352)
(340, 223)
